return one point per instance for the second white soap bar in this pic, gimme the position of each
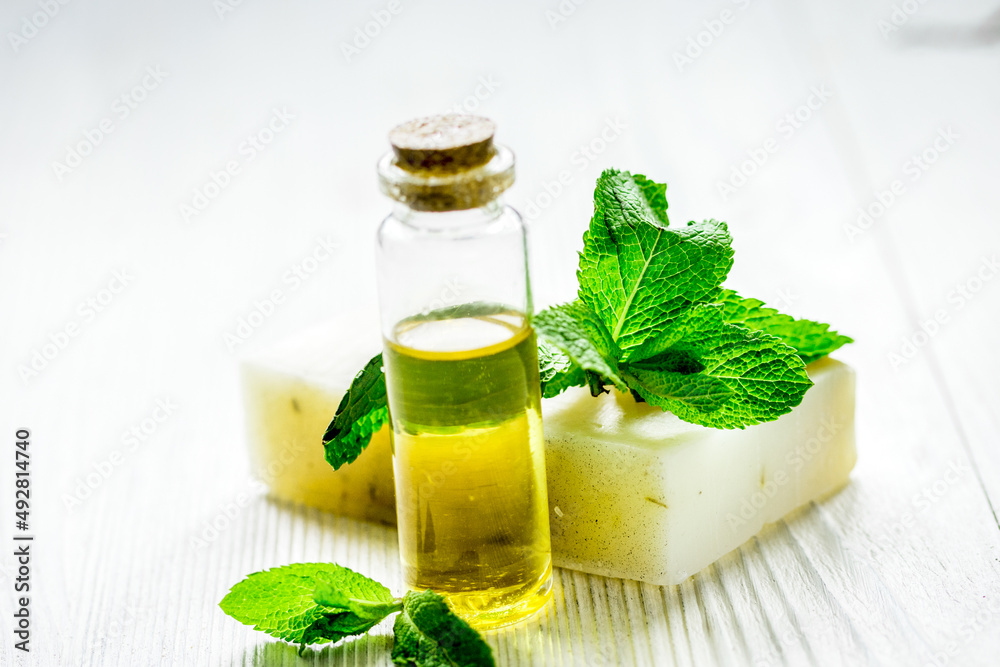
(634, 492)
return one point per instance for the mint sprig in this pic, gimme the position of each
(652, 318)
(314, 603)
(280, 602)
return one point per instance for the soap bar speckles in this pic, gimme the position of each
(637, 493)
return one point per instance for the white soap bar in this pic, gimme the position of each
(633, 491)
(290, 394)
(636, 493)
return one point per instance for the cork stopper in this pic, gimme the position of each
(443, 144)
(445, 163)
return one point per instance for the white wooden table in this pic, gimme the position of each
(901, 568)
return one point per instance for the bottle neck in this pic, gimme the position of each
(448, 221)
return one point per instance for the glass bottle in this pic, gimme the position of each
(462, 373)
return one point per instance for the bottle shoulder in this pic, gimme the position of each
(405, 224)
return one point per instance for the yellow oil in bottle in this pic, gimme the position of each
(469, 461)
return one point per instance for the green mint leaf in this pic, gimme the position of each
(371, 606)
(655, 195)
(413, 648)
(556, 371)
(332, 627)
(812, 340)
(637, 274)
(280, 602)
(580, 335)
(361, 413)
(428, 634)
(679, 393)
(766, 378)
